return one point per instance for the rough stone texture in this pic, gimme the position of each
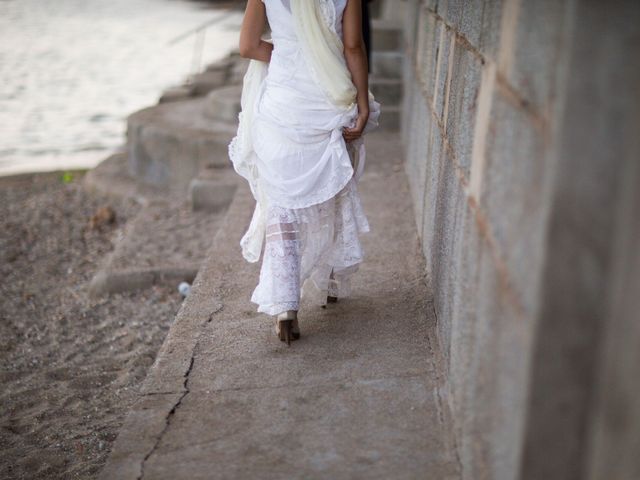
(520, 124)
(594, 210)
(224, 103)
(489, 41)
(386, 64)
(462, 105)
(386, 68)
(206, 81)
(387, 91)
(169, 144)
(513, 197)
(213, 189)
(174, 94)
(164, 244)
(357, 396)
(614, 443)
(390, 120)
(111, 177)
(540, 47)
(385, 36)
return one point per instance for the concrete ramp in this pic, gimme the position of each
(358, 396)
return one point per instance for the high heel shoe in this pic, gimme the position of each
(330, 299)
(332, 286)
(295, 329)
(284, 328)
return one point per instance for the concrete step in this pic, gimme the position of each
(238, 69)
(224, 103)
(169, 144)
(174, 94)
(386, 36)
(223, 64)
(388, 91)
(213, 189)
(386, 64)
(215, 75)
(111, 177)
(390, 118)
(203, 83)
(392, 11)
(164, 244)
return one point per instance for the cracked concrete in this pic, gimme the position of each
(168, 418)
(360, 395)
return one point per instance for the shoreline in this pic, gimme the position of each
(48, 128)
(20, 176)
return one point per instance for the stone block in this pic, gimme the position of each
(449, 209)
(393, 11)
(446, 43)
(388, 91)
(513, 196)
(389, 118)
(462, 105)
(464, 316)
(427, 51)
(410, 85)
(409, 131)
(431, 192)
(470, 23)
(495, 402)
(413, 11)
(211, 195)
(224, 103)
(204, 82)
(174, 94)
(434, 5)
(420, 152)
(238, 69)
(386, 64)
(222, 64)
(465, 17)
(386, 36)
(489, 41)
(535, 57)
(451, 11)
(375, 8)
(168, 144)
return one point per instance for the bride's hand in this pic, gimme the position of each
(355, 132)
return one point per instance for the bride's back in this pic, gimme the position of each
(281, 21)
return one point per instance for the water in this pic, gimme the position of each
(72, 70)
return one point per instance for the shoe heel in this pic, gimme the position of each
(285, 331)
(285, 326)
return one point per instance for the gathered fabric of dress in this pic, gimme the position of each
(302, 174)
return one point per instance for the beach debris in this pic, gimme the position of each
(104, 215)
(184, 288)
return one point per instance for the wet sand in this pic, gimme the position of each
(70, 365)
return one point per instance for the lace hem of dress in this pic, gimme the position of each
(304, 246)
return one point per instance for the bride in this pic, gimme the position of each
(305, 108)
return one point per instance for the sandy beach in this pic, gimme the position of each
(70, 365)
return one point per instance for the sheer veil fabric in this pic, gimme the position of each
(291, 152)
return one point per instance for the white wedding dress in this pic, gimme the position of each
(313, 211)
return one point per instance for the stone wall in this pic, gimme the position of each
(521, 122)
